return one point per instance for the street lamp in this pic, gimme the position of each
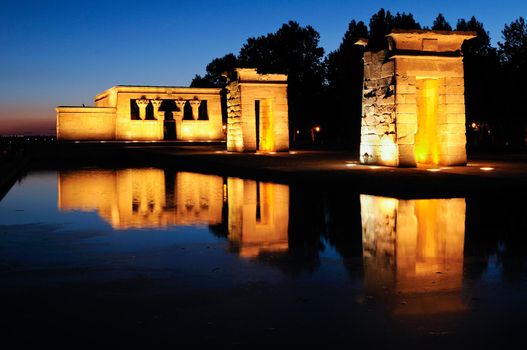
(315, 129)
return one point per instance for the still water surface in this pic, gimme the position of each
(154, 256)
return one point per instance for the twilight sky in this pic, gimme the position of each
(65, 52)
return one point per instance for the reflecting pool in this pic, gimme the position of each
(151, 256)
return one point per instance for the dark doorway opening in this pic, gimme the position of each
(169, 125)
(169, 128)
(257, 122)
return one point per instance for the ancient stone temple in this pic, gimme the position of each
(413, 108)
(257, 112)
(147, 113)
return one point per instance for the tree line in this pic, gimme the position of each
(326, 90)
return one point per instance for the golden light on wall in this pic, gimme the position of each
(426, 146)
(112, 116)
(413, 105)
(258, 115)
(267, 141)
(416, 247)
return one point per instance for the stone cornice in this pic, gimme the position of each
(160, 90)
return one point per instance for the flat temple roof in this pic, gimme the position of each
(159, 89)
(432, 33)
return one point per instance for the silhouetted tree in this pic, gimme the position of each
(440, 23)
(344, 73)
(481, 68)
(215, 72)
(513, 50)
(513, 54)
(404, 21)
(382, 24)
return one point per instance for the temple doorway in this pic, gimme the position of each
(169, 127)
(426, 147)
(264, 125)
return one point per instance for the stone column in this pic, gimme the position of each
(142, 103)
(195, 108)
(157, 114)
(178, 115)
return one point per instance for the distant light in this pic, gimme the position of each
(224, 127)
(102, 141)
(350, 164)
(293, 152)
(317, 128)
(298, 132)
(433, 170)
(474, 125)
(486, 168)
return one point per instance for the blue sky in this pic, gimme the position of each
(65, 52)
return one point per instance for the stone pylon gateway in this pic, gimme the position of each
(257, 112)
(413, 107)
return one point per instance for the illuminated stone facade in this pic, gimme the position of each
(257, 112)
(145, 113)
(415, 249)
(413, 108)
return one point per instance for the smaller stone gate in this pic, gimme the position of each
(257, 110)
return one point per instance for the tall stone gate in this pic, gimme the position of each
(413, 109)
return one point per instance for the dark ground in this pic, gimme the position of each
(319, 168)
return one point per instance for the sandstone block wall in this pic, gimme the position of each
(269, 91)
(111, 119)
(85, 123)
(234, 119)
(450, 134)
(126, 129)
(378, 132)
(413, 101)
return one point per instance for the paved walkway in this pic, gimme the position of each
(328, 168)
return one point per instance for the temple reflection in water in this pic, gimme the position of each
(257, 212)
(410, 248)
(258, 216)
(143, 198)
(414, 250)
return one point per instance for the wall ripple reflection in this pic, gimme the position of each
(414, 250)
(257, 212)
